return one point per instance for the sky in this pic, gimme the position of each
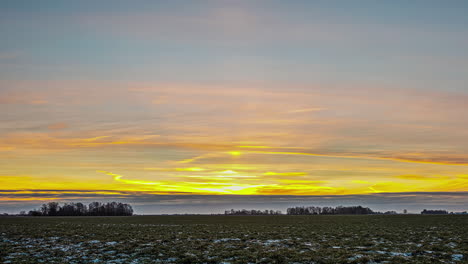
(201, 106)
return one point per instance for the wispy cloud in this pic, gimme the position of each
(147, 202)
(306, 110)
(57, 126)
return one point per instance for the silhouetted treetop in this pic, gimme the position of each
(315, 210)
(79, 209)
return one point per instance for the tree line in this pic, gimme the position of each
(305, 210)
(425, 211)
(316, 210)
(339, 210)
(251, 212)
(79, 209)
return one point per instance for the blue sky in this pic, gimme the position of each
(391, 42)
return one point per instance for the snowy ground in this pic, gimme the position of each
(235, 239)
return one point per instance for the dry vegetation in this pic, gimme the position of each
(235, 239)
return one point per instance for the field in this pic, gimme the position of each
(235, 239)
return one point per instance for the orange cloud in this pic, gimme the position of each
(57, 126)
(422, 178)
(410, 159)
(306, 110)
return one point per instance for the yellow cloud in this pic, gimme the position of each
(422, 178)
(408, 159)
(270, 173)
(190, 169)
(254, 147)
(118, 178)
(360, 182)
(228, 172)
(305, 110)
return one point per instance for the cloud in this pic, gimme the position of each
(57, 126)
(463, 161)
(231, 114)
(422, 178)
(149, 203)
(241, 127)
(22, 100)
(306, 110)
(118, 178)
(237, 24)
(9, 55)
(46, 141)
(232, 182)
(435, 158)
(271, 173)
(209, 185)
(360, 182)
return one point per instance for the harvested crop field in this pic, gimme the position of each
(235, 239)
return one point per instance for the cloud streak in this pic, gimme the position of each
(146, 202)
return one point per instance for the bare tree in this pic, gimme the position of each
(79, 209)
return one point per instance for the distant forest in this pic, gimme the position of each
(122, 209)
(251, 212)
(306, 210)
(339, 210)
(315, 210)
(434, 211)
(79, 209)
